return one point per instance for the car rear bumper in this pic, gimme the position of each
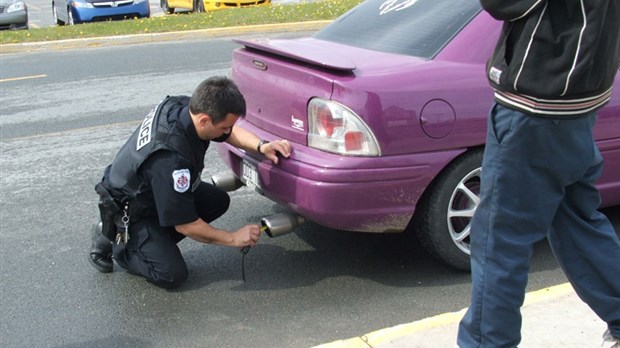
(347, 193)
(221, 5)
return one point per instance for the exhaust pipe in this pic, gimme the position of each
(281, 224)
(226, 181)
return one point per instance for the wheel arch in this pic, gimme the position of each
(423, 223)
(434, 182)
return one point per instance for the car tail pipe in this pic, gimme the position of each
(281, 224)
(226, 181)
(274, 226)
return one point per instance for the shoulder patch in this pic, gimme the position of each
(181, 178)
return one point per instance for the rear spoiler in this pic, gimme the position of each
(303, 50)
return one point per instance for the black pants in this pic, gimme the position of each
(152, 250)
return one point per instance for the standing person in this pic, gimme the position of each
(151, 196)
(553, 67)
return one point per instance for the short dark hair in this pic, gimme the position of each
(217, 97)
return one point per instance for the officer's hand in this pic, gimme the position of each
(247, 235)
(271, 150)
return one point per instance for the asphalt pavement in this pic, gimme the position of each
(552, 317)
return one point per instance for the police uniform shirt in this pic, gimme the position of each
(172, 178)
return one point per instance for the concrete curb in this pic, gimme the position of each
(160, 37)
(379, 337)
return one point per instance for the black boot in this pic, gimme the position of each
(100, 255)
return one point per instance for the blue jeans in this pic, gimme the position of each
(538, 182)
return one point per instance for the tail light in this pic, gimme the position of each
(336, 128)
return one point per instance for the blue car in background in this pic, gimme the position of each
(69, 12)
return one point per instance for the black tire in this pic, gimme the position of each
(165, 8)
(70, 20)
(199, 6)
(55, 14)
(443, 215)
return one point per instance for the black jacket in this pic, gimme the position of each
(160, 130)
(555, 58)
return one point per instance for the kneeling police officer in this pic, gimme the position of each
(151, 196)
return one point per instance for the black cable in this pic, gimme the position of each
(244, 252)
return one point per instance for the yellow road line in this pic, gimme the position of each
(22, 78)
(380, 336)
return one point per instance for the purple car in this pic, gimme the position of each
(386, 109)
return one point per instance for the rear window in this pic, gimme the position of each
(418, 28)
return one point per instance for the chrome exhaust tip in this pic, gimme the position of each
(226, 181)
(281, 224)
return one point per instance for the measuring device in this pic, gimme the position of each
(245, 250)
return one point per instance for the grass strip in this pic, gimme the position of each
(277, 13)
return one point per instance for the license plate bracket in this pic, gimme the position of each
(249, 174)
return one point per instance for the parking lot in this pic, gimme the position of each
(40, 11)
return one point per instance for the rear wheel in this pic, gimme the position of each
(199, 6)
(165, 8)
(70, 20)
(55, 14)
(443, 216)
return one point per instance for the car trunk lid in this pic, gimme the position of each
(292, 72)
